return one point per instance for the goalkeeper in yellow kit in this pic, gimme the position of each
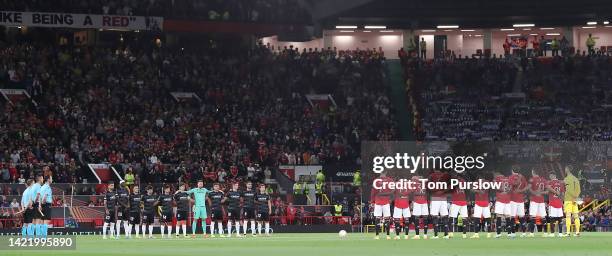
(572, 191)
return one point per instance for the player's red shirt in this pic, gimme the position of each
(553, 199)
(458, 196)
(420, 194)
(538, 184)
(518, 182)
(481, 198)
(402, 198)
(503, 193)
(439, 177)
(381, 196)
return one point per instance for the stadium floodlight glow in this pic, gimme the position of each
(478, 35)
(547, 28)
(514, 34)
(448, 26)
(592, 23)
(533, 34)
(553, 34)
(346, 27)
(468, 30)
(588, 27)
(347, 31)
(526, 29)
(523, 25)
(428, 30)
(606, 22)
(386, 31)
(507, 29)
(375, 27)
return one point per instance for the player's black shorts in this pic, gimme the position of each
(123, 214)
(134, 218)
(46, 211)
(166, 217)
(35, 213)
(217, 214)
(263, 216)
(233, 214)
(249, 213)
(148, 218)
(181, 215)
(110, 217)
(27, 215)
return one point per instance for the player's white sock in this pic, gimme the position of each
(144, 230)
(169, 230)
(252, 227)
(150, 230)
(245, 226)
(128, 228)
(184, 226)
(267, 228)
(112, 229)
(178, 229)
(118, 226)
(162, 230)
(259, 228)
(220, 227)
(229, 228)
(137, 228)
(238, 228)
(104, 227)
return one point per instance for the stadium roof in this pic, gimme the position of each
(465, 13)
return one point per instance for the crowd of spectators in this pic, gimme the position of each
(511, 98)
(597, 220)
(98, 105)
(269, 11)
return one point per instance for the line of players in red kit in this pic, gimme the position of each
(502, 209)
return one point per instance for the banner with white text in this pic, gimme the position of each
(73, 20)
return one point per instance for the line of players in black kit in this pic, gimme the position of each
(137, 211)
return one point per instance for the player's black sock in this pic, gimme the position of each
(476, 223)
(417, 226)
(397, 227)
(387, 225)
(445, 225)
(426, 225)
(406, 226)
(540, 228)
(530, 225)
(377, 226)
(498, 225)
(463, 227)
(436, 226)
(488, 224)
(509, 225)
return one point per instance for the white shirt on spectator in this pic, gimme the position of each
(15, 157)
(153, 159)
(159, 122)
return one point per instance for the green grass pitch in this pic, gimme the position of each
(354, 244)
